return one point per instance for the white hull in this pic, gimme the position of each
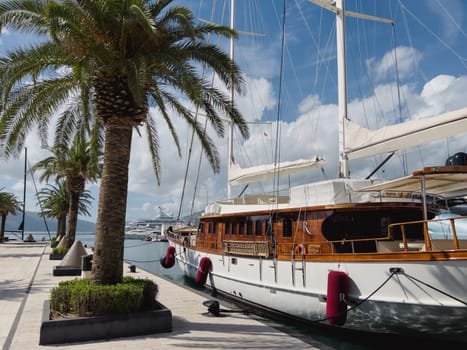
(401, 306)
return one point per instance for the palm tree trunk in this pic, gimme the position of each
(2, 228)
(72, 218)
(61, 226)
(107, 265)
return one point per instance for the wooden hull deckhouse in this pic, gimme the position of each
(356, 253)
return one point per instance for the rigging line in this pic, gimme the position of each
(190, 149)
(365, 71)
(399, 101)
(451, 18)
(279, 103)
(409, 38)
(187, 164)
(319, 61)
(40, 204)
(315, 82)
(195, 189)
(370, 79)
(462, 59)
(434, 288)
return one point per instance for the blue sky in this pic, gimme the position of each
(429, 37)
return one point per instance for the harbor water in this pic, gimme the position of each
(146, 255)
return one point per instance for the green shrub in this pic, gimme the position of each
(59, 250)
(80, 298)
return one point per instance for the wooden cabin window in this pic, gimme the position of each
(241, 228)
(214, 228)
(234, 228)
(249, 228)
(228, 228)
(287, 228)
(201, 228)
(258, 228)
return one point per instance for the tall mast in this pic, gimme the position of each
(230, 145)
(341, 87)
(339, 10)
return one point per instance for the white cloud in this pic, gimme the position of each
(257, 99)
(407, 60)
(3, 32)
(309, 103)
(443, 93)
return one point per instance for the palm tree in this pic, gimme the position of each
(9, 204)
(76, 166)
(55, 203)
(132, 54)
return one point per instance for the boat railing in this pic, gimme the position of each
(255, 248)
(451, 240)
(386, 244)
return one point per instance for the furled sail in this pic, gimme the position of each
(238, 176)
(361, 142)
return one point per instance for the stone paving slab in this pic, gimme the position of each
(26, 279)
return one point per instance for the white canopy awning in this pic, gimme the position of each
(445, 181)
(238, 176)
(361, 142)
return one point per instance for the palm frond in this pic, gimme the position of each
(153, 142)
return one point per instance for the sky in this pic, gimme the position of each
(290, 81)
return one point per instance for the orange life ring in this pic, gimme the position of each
(299, 249)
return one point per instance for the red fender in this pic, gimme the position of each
(168, 260)
(203, 270)
(336, 302)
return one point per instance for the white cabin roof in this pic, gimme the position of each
(330, 192)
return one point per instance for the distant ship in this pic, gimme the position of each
(150, 229)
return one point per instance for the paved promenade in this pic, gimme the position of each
(26, 279)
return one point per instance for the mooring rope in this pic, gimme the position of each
(434, 288)
(373, 293)
(142, 261)
(139, 245)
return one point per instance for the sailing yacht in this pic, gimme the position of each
(351, 253)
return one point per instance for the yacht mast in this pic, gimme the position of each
(339, 9)
(341, 87)
(230, 145)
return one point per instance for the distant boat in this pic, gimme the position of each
(150, 229)
(354, 253)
